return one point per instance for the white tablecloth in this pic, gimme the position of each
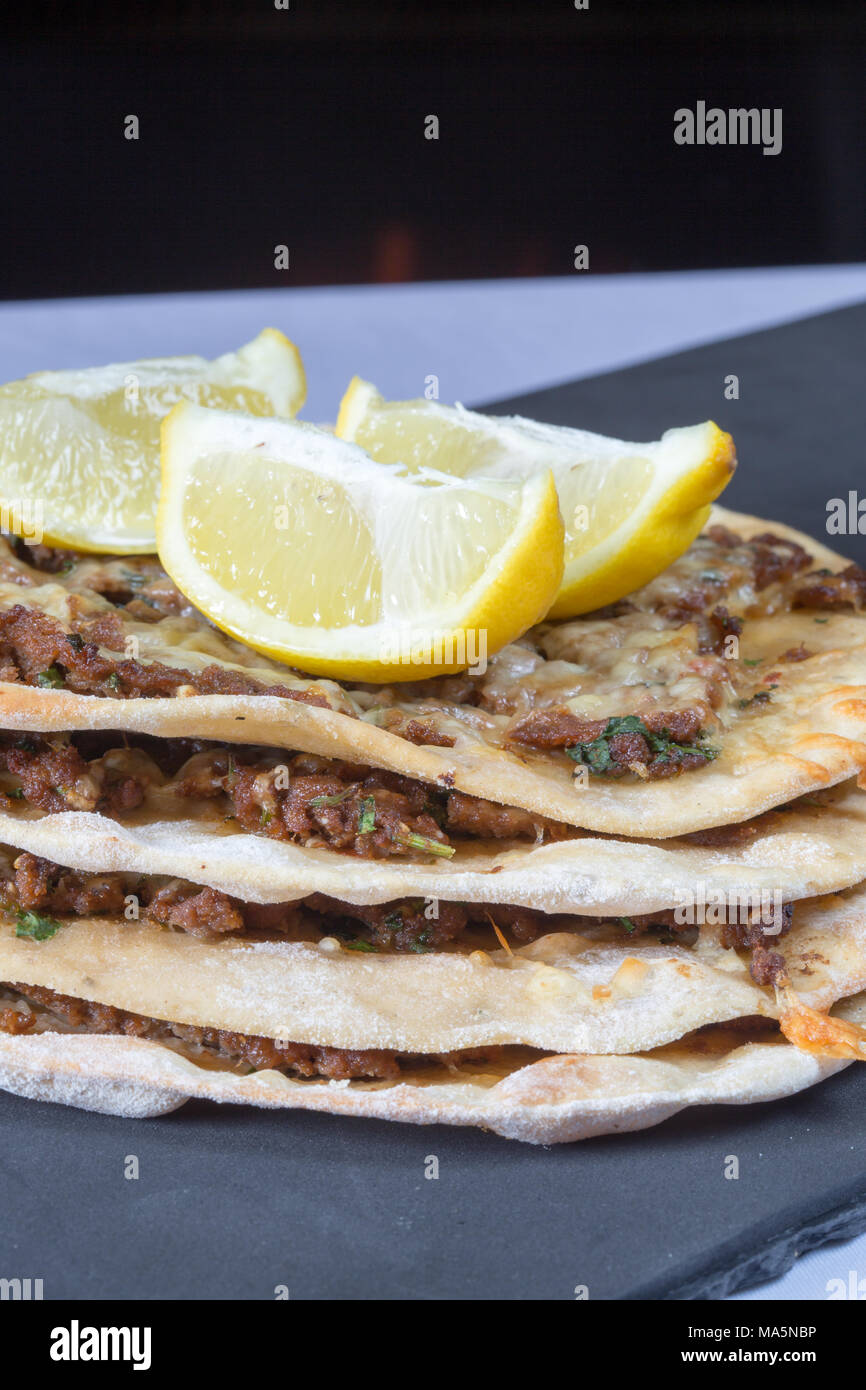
(483, 340)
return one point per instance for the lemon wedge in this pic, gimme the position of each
(630, 510)
(79, 450)
(301, 546)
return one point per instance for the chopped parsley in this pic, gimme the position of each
(17, 793)
(35, 926)
(114, 680)
(413, 841)
(75, 641)
(752, 660)
(597, 755)
(53, 678)
(760, 697)
(266, 817)
(359, 945)
(318, 801)
(820, 620)
(419, 945)
(367, 815)
(394, 921)
(627, 923)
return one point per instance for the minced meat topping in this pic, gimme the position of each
(22, 1005)
(640, 688)
(350, 808)
(34, 887)
(643, 687)
(39, 892)
(35, 649)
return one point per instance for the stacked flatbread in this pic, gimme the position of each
(620, 872)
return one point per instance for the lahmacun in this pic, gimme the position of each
(617, 872)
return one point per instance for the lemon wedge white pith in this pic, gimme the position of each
(297, 543)
(629, 509)
(79, 450)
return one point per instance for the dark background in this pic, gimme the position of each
(305, 127)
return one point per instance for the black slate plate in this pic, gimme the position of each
(231, 1203)
(798, 423)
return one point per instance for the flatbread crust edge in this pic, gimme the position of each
(564, 993)
(556, 1100)
(823, 712)
(808, 851)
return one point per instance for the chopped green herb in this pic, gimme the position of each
(75, 641)
(35, 926)
(332, 800)
(266, 816)
(17, 793)
(760, 697)
(394, 921)
(627, 923)
(359, 945)
(820, 620)
(413, 841)
(53, 678)
(598, 757)
(752, 660)
(419, 945)
(114, 680)
(367, 815)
